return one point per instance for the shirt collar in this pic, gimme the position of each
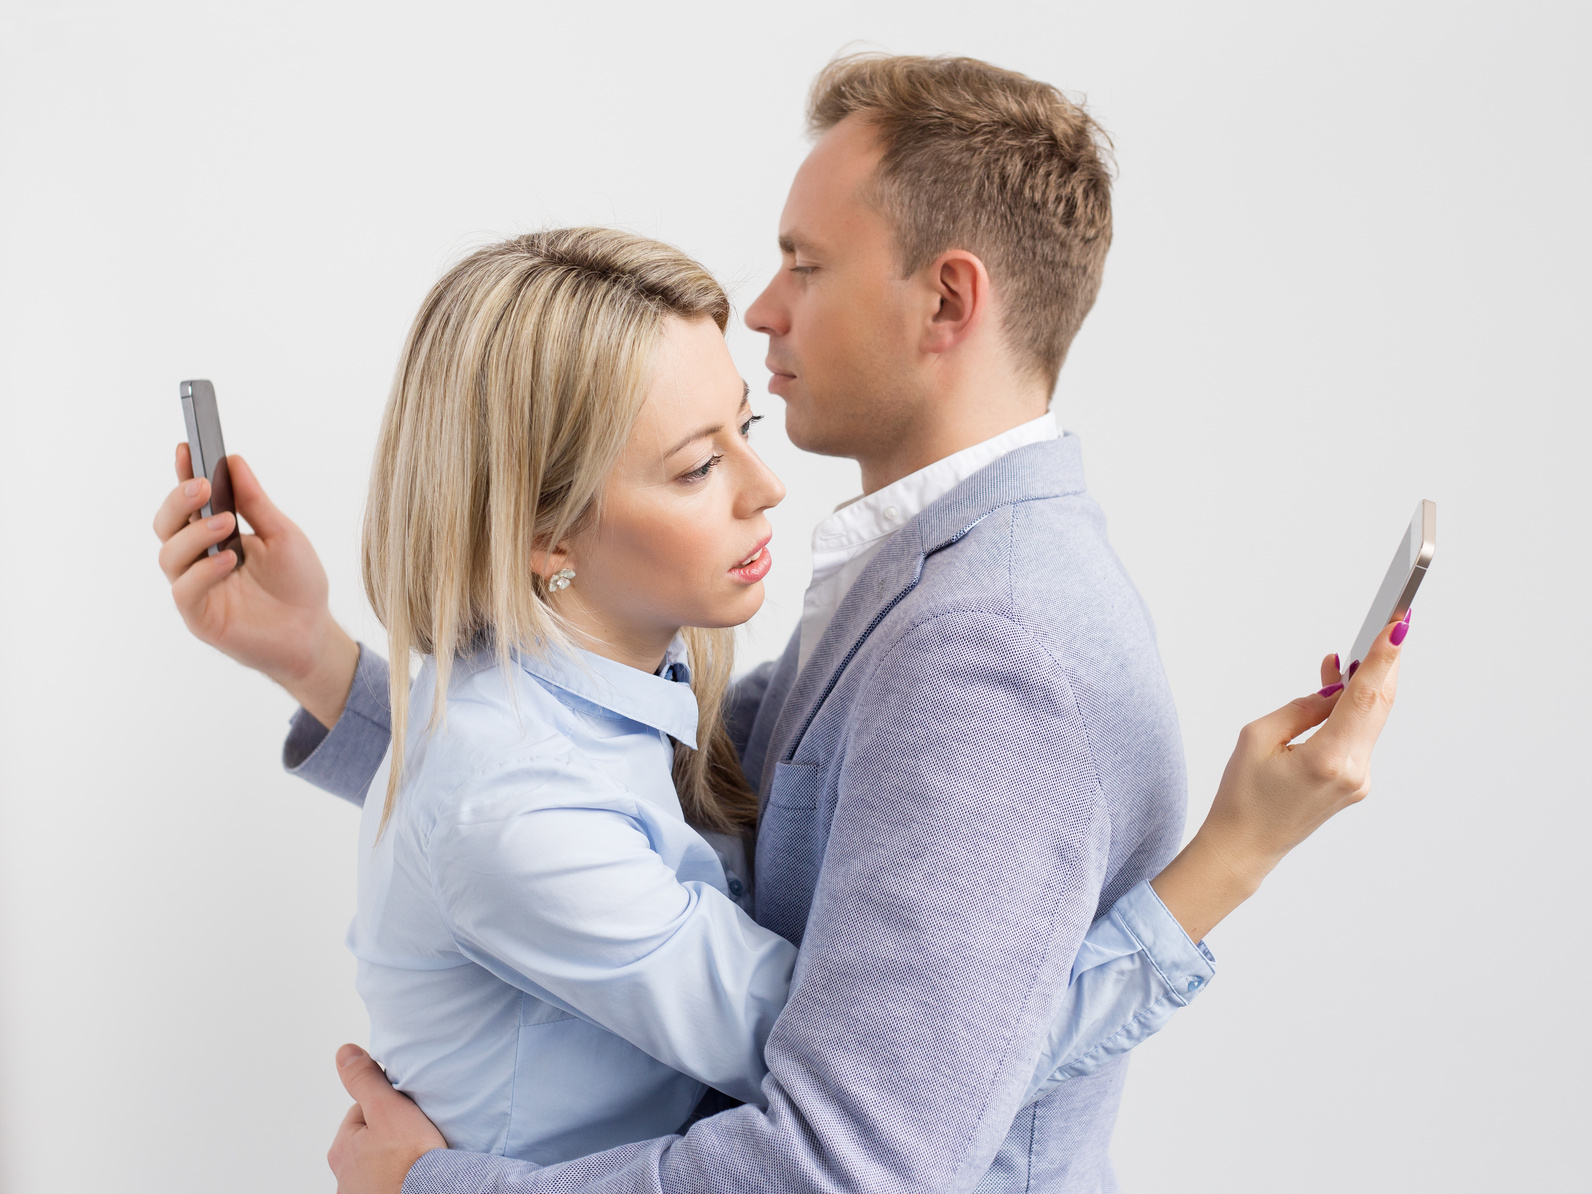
(887, 510)
(653, 700)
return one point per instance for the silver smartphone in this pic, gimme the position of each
(209, 456)
(1404, 576)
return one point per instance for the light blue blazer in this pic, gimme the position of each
(980, 758)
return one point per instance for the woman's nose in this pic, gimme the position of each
(760, 488)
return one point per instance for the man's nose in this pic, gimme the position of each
(767, 314)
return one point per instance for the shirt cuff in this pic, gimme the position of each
(1186, 967)
(342, 760)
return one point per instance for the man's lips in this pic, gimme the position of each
(776, 370)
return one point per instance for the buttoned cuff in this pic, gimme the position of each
(1185, 966)
(342, 760)
(448, 1171)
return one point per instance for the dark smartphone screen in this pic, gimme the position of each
(209, 456)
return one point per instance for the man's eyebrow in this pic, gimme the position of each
(746, 400)
(791, 242)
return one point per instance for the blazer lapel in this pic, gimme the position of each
(1049, 469)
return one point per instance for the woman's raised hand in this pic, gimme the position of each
(271, 612)
(1276, 792)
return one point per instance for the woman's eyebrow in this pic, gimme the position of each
(746, 401)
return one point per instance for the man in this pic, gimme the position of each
(967, 751)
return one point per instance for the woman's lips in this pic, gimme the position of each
(755, 567)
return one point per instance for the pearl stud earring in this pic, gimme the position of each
(561, 579)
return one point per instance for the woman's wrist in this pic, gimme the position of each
(1207, 880)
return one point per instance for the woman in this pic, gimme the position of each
(566, 520)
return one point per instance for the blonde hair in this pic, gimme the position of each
(519, 384)
(993, 162)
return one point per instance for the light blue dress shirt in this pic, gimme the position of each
(555, 963)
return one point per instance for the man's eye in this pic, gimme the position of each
(802, 269)
(746, 427)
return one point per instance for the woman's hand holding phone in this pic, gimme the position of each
(273, 614)
(1276, 792)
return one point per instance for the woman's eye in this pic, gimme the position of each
(746, 427)
(698, 474)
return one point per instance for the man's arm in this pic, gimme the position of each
(268, 611)
(344, 759)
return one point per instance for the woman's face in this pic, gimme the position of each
(683, 540)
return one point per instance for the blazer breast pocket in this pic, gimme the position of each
(791, 835)
(796, 785)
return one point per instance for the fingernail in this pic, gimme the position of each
(1354, 667)
(216, 523)
(349, 1054)
(1330, 689)
(1399, 631)
(191, 489)
(1407, 614)
(1337, 664)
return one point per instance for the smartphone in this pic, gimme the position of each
(1404, 576)
(209, 456)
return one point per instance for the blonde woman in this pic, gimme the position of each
(566, 519)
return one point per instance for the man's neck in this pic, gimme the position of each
(947, 426)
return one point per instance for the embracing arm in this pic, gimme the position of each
(1273, 794)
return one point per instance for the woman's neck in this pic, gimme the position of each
(639, 647)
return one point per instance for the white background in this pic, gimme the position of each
(1350, 271)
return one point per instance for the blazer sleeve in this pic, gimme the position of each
(963, 867)
(344, 759)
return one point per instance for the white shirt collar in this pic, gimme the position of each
(844, 542)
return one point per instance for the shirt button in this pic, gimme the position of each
(892, 513)
(736, 888)
(1193, 984)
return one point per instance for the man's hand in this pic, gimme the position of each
(267, 611)
(382, 1135)
(1276, 792)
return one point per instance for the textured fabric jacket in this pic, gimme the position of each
(981, 756)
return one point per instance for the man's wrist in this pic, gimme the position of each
(323, 686)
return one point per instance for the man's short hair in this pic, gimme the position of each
(993, 162)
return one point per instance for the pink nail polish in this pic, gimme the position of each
(1337, 663)
(1330, 689)
(1354, 667)
(1399, 631)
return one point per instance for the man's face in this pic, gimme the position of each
(843, 326)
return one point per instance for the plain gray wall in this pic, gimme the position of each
(1350, 271)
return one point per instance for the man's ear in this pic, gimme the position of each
(962, 289)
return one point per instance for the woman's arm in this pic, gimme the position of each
(579, 906)
(1276, 792)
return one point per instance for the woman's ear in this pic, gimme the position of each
(546, 562)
